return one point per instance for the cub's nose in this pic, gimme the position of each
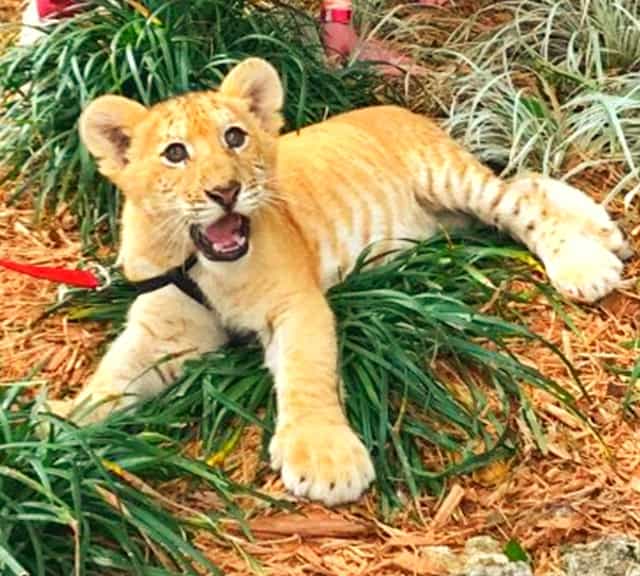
(226, 195)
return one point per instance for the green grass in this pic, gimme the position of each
(183, 46)
(632, 396)
(67, 507)
(397, 322)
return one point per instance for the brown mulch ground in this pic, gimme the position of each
(8, 18)
(8, 10)
(60, 352)
(581, 489)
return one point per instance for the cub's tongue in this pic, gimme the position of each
(226, 232)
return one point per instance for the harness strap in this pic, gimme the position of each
(180, 278)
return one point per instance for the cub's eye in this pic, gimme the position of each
(175, 153)
(235, 137)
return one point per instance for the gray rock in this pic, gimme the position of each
(482, 545)
(483, 557)
(510, 569)
(614, 556)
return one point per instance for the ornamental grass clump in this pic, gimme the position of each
(149, 54)
(555, 88)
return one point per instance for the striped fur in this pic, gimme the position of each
(315, 199)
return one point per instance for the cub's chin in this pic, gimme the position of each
(225, 240)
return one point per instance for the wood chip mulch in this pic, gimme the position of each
(58, 352)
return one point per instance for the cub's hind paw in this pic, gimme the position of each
(612, 238)
(325, 462)
(584, 269)
(578, 212)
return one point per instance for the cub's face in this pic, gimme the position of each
(198, 165)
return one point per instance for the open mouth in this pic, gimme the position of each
(226, 239)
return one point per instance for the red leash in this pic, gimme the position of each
(80, 278)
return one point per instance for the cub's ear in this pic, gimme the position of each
(256, 81)
(106, 126)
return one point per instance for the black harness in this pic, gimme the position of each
(180, 278)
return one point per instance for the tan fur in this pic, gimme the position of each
(315, 198)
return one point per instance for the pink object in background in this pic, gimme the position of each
(340, 39)
(40, 13)
(53, 8)
(338, 34)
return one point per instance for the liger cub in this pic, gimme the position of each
(274, 221)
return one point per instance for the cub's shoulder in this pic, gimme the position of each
(374, 115)
(372, 120)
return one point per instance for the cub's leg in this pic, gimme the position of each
(164, 328)
(574, 236)
(317, 452)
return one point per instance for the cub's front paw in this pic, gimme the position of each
(584, 268)
(60, 408)
(325, 462)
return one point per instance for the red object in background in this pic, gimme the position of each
(340, 15)
(80, 278)
(53, 8)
